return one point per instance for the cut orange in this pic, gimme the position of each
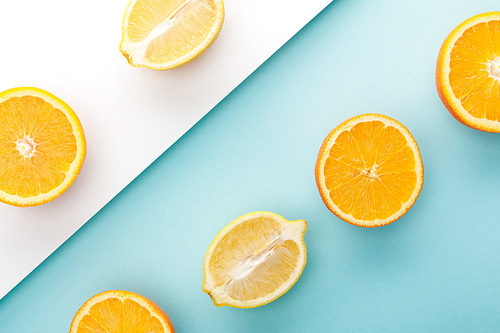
(254, 260)
(468, 72)
(369, 171)
(163, 34)
(42, 146)
(120, 311)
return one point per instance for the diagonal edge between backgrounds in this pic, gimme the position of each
(5, 292)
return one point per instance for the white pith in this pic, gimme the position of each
(26, 146)
(371, 173)
(494, 68)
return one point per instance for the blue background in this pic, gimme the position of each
(436, 269)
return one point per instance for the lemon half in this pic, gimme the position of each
(254, 260)
(163, 34)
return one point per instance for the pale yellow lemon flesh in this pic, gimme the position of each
(163, 34)
(254, 260)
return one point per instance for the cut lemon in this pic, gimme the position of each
(42, 146)
(254, 260)
(120, 311)
(163, 34)
(369, 171)
(468, 72)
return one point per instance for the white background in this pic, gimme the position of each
(130, 116)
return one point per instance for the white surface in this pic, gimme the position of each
(130, 116)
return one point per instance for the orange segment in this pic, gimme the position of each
(120, 311)
(163, 34)
(42, 146)
(369, 171)
(468, 72)
(254, 260)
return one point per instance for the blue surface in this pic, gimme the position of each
(435, 270)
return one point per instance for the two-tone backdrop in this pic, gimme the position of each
(434, 270)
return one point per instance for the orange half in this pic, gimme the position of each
(369, 171)
(120, 311)
(42, 146)
(468, 72)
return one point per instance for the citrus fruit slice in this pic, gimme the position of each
(254, 260)
(120, 311)
(468, 72)
(42, 146)
(163, 34)
(369, 171)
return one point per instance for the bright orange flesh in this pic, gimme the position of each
(121, 312)
(254, 260)
(468, 72)
(369, 170)
(42, 146)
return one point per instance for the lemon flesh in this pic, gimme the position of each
(161, 34)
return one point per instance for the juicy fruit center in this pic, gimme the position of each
(166, 24)
(116, 315)
(255, 259)
(494, 67)
(474, 75)
(37, 146)
(244, 277)
(370, 171)
(162, 31)
(26, 146)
